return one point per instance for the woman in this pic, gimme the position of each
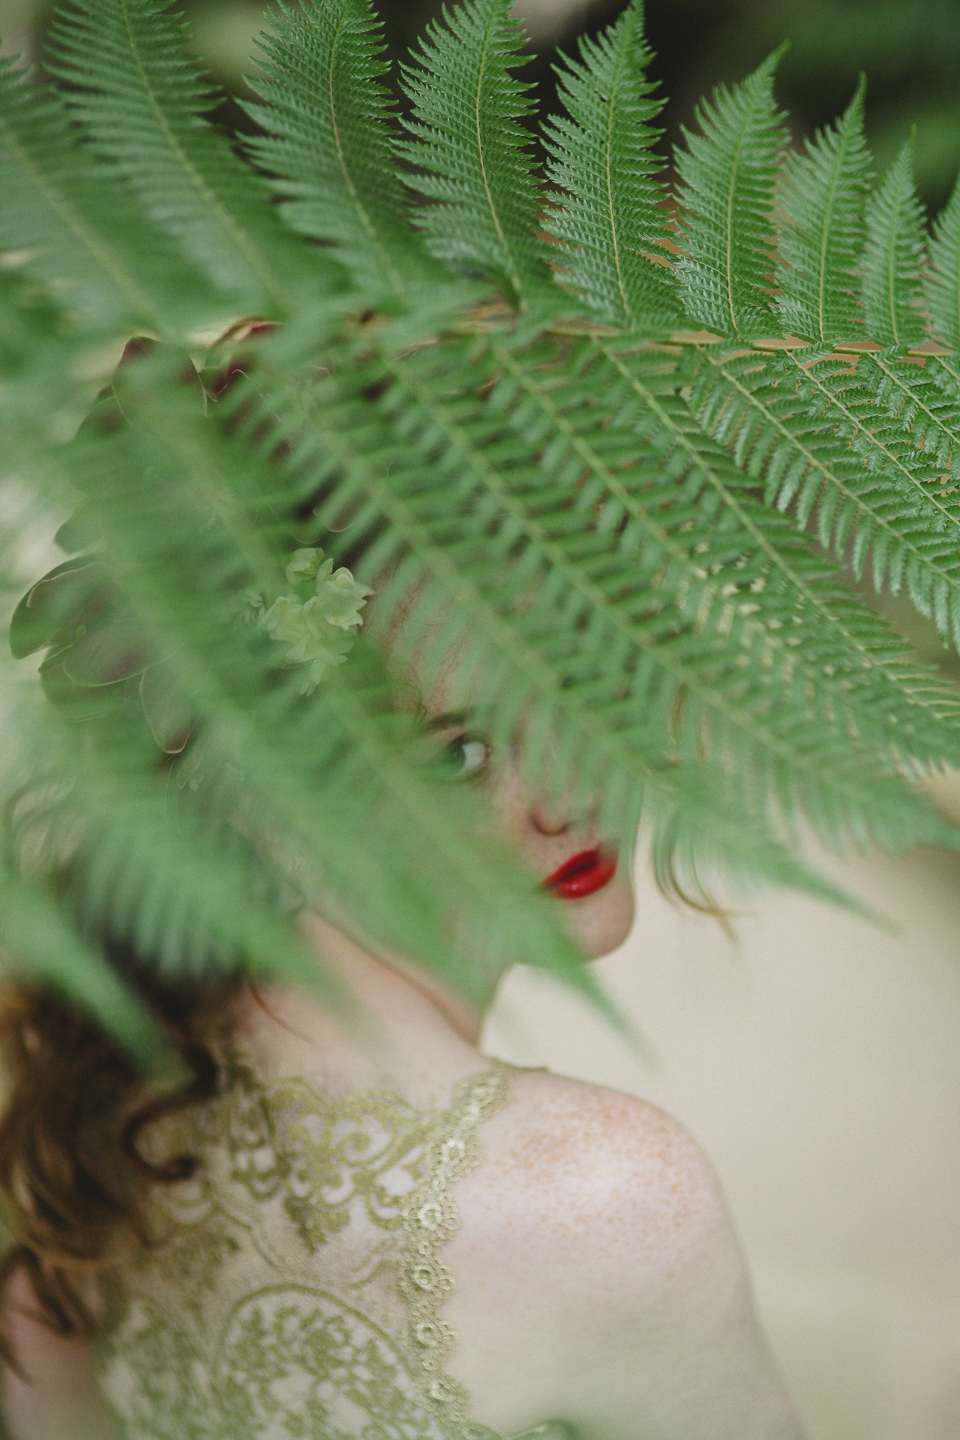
(384, 1234)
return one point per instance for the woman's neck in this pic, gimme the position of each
(396, 1019)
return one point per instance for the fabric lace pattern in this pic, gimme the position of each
(295, 1285)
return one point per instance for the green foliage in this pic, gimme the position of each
(471, 150)
(326, 116)
(612, 219)
(822, 246)
(521, 445)
(893, 258)
(53, 201)
(142, 103)
(943, 277)
(726, 198)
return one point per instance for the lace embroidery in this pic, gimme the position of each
(294, 1288)
(430, 1217)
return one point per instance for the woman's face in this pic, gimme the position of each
(581, 868)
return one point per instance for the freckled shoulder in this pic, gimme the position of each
(590, 1211)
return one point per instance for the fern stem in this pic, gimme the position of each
(731, 189)
(611, 110)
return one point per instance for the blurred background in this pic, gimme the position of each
(815, 1056)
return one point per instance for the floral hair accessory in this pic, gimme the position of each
(318, 621)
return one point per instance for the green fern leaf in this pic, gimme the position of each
(611, 221)
(872, 451)
(79, 233)
(942, 281)
(38, 941)
(822, 245)
(472, 151)
(894, 257)
(142, 101)
(728, 174)
(604, 635)
(328, 123)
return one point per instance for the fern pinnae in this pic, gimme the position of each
(329, 140)
(470, 150)
(821, 246)
(942, 277)
(540, 405)
(773, 414)
(56, 206)
(822, 604)
(143, 103)
(893, 258)
(610, 220)
(919, 542)
(726, 200)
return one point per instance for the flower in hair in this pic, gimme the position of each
(318, 631)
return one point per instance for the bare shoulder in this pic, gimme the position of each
(626, 1177)
(594, 1223)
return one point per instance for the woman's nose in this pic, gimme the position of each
(547, 820)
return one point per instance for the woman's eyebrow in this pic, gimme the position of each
(448, 720)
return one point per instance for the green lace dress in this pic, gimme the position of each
(295, 1289)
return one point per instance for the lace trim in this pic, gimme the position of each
(430, 1217)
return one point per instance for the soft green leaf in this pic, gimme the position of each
(726, 196)
(78, 232)
(611, 220)
(893, 259)
(821, 249)
(471, 150)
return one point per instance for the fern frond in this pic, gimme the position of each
(942, 279)
(329, 138)
(327, 777)
(869, 448)
(893, 258)
(38, 944)
(142, 102)
(78, 232)
(728, 174)
(637, 637)
(821, 247)
(471, 151)
(611, 219)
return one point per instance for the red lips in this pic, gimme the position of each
(582, 874)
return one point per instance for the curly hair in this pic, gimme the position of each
(73, 1180)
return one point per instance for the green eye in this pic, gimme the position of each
(466, 757)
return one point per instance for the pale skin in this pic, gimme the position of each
(598, 1280)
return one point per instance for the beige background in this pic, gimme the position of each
(817, 1059)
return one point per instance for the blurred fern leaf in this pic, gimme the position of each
(942, 288)
(143, 103)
